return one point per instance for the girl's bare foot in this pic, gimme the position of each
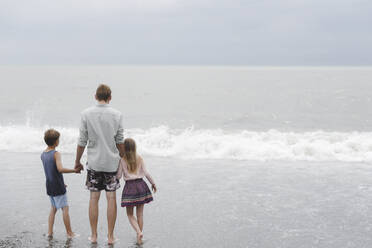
(139, 238)
(50, 235)
(93, 239)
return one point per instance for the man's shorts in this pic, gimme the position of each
(59, 201)
(99, 180)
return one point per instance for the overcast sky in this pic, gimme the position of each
(186, 32)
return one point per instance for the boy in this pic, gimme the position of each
(56, 188)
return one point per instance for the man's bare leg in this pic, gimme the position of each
(93, 214)
(111, 215)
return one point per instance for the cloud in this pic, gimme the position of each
(268, 32)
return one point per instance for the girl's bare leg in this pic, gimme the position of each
(66, 221)
(139, 213)
(52, 215)
(134, 223)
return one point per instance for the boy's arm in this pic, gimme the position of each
(57, 157)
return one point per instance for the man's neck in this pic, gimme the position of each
(103, 102)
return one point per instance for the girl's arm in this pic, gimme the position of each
(148, 176)
(57, 157)
(119, 174)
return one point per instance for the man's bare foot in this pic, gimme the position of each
(71, 235)
(139, 238)
(111, 240)
(93, 239)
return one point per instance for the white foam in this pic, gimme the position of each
(213, 143)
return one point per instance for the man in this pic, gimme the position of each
(101, 128)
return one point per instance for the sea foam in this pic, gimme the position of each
(193, 143)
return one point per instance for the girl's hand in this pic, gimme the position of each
(154, 188)
(65, 185)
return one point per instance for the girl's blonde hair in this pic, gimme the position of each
(130, 154)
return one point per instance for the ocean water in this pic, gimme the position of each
(253, 157)
(239, 113)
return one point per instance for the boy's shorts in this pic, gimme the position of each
(99, 180)
(59, 201)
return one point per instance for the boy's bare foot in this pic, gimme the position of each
(139, 238)
(93, 239)
(50, 235)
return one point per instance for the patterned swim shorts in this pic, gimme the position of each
(99, 180)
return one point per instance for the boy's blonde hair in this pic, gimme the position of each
(51, 136)
(130, 154)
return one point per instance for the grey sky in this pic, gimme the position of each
(206, 32)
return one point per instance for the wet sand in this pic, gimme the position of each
(203, 203)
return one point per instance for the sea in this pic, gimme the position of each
(243, 156)
(199, 112)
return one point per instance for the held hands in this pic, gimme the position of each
(78, 167)
(154, 188)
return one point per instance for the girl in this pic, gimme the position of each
(136, 192)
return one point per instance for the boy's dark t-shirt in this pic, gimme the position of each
(55, 184)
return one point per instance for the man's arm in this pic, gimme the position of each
(82, 142)
(119, 137)
(120, 148)
(79, 154)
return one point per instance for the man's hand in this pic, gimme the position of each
(78, 166)
(79, 153)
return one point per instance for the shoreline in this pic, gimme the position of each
(206, 204)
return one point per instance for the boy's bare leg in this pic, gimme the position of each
(66, 221)
(111, 215)
(139, 213)
(133, 221)
(52, 215)
(93, 214)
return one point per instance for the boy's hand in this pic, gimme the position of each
(65, 185)
(78, 170)
(154, 188)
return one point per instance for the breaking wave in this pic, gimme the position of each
(193, 143)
